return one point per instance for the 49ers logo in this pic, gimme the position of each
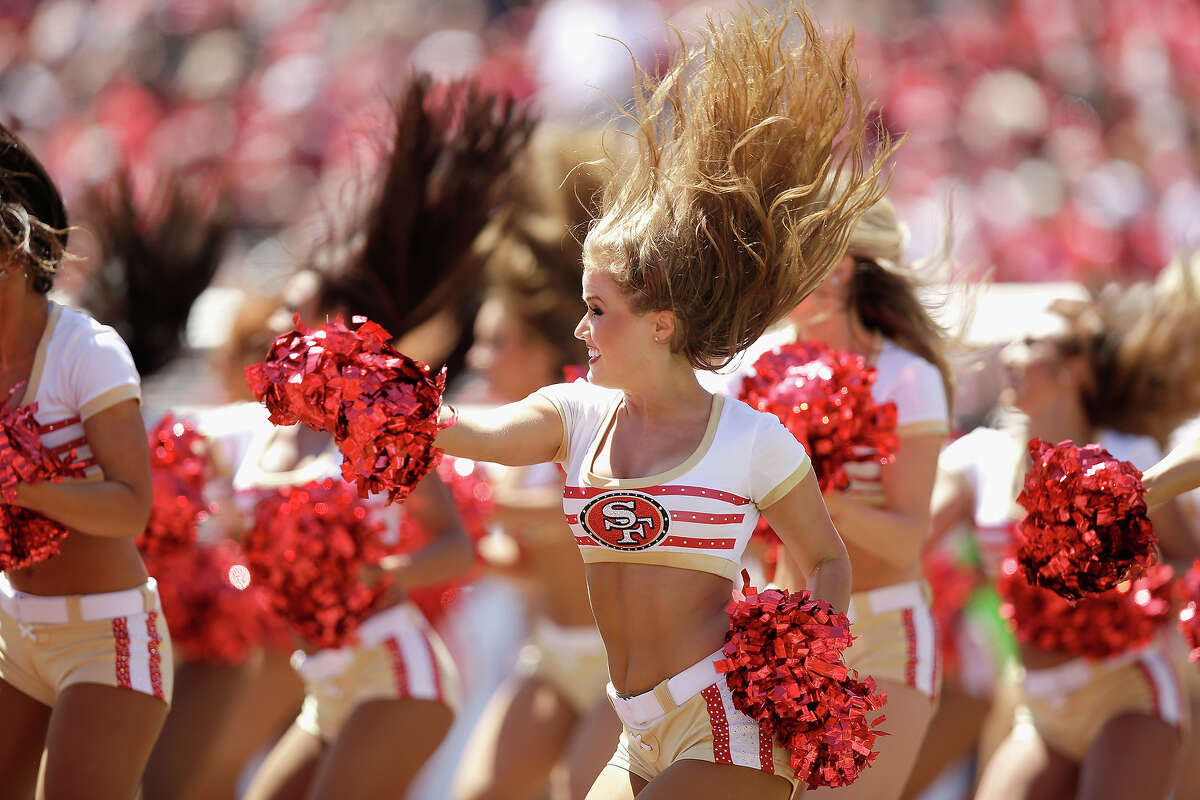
(625, 520)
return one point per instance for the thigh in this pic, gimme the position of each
(702, 780)
(516, 743)
(380, 749)
(23, 723)
(953, 734)
(1135, 755)
(592, 744)
(99, 741)
(908, 714)
(1024, 768)
(204, 696)
(287, 773)
(615, 783)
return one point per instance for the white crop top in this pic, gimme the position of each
(81, 368)
(697, 516)
(993, 462)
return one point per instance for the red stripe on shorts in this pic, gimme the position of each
(121, 645)
(719, 723)
(433, 665)
(155, 656)
(398, 667)
(910, 631)
(766, 745)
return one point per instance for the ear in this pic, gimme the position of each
(664, 326)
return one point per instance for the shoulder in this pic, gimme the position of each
(915, 386)
(897, 368)
(81, 334)
(579, 394)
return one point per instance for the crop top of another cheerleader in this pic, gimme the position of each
(698, 515)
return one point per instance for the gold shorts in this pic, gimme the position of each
(692, 716)
(571, 660)
(895, 637)
(1069, 704)
(398, 656)
(113, 639)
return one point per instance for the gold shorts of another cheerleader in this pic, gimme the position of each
(895, 637)
(1070, 704)
(113, 639)
(692, 716)
(571, 660)
(398, 656)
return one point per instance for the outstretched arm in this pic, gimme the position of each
(1176, 473)
(529, 431)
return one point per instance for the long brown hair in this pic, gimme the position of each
(752, 166)
(883, 290)
(33, 220)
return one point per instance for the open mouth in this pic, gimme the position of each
(593, 355)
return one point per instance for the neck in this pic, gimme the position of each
(669, 394)
(22, 318)
(840, 330)
(1065, 421)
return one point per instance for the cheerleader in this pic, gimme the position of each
(85, 658)
(1086, 728)
(551, 719)
(718, 228)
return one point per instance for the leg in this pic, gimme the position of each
(381, 748)
(205, 696)
(99, 740)
(1188, 784)
(1024, 768)
(23, 723)
(953, 734)
(288, 771)
(615, 783)
(908, 714)
(588, 752)
(517, 742)
(1135, 755)
(269, 698)
(701, 780)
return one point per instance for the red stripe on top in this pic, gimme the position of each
(719, 723)
(120, 630)
(707, 519)
(152, 646)
(51, 427)
(398, 666)
(588, 492)
(910, 631)
(65, 446)
(584, 541)
(699, 544)
(572, 519)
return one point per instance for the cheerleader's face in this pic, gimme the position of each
(1038, 375)
(621, 345)
(512, 360)
(826, 301)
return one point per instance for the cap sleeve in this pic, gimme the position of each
(580, 406)
(777, 463)
(103, 373)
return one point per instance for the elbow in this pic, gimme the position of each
(139, 516)
(462, 552)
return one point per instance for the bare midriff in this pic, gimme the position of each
(656, 621)
(86, 565)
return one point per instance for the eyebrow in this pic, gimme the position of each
(588, 297)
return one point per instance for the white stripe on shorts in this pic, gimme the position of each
(418, 660)
(743, 731)
(139, 654)
(1166, 687)
(925, 633)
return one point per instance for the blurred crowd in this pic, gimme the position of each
(1063, 132)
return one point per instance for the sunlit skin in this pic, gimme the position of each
(680, 615)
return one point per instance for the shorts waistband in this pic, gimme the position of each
(33, 609)
(1052, 682)
(331, 662)
(643, 710)
(897, 597)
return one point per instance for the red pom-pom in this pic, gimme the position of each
(784, 668)
(1098, 626)
(213, 610)
(179, 467)
(824, 398)
(1085, 527)
(380, 405)
(27, 537)
(1189, 615)
(306, 550)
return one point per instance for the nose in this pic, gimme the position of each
(479, 357)
(581, 328)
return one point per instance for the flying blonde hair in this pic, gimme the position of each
(752, 167)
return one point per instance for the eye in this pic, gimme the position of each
(595, 311)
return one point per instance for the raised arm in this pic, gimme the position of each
(530, 431)
(1176, 473)
(809, 537)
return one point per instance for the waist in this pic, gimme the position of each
(885, 599)
(1075, 673)
(66, 609)
(645, 709)
(400, 620)
(85, 565)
